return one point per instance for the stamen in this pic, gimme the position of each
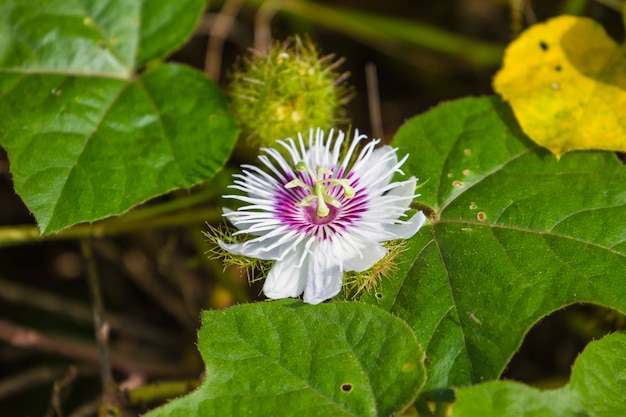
(348, 191)
(297, 183)
(303, 167)
(321, 187)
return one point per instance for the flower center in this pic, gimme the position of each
(319, 193)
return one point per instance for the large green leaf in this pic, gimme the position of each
(287, 358)
(596, 389)
(88, 132)
(514, 235)
(109, 38)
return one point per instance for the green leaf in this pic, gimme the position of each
(87, 135)
(92, 37)
(514, 235)
(288, 358)
(599, 376)
(512, 399)
(596, 389)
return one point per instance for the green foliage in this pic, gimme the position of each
(88, 132)
(288, 358)
(596, 389)
(514, 235)
(95, 123)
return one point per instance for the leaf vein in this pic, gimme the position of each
(113, 50)
(454, 307)
(88, 138)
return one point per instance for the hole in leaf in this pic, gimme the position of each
(346, 387)
(543, 45)
(378, 295)
(551, 346)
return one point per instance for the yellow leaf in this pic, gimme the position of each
(566, 82)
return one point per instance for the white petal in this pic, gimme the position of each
(369, 252)
(285, 279)
(405, 189)
(324, 277)
(254, 249)
(394, 203)
(240, 224)
(377, 170)
(409, 228)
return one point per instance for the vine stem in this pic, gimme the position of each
(17, 235)
(159, 391)
(378, 31)
(101, 327)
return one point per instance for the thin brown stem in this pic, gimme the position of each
(47, 301)
(262, 27)
(101, 326)
(141, 270)
(529, 13)
(373, 100)
(59, 392)
(217, 35)
(28, 338)
(27, 379)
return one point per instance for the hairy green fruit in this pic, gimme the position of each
(287, 90)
